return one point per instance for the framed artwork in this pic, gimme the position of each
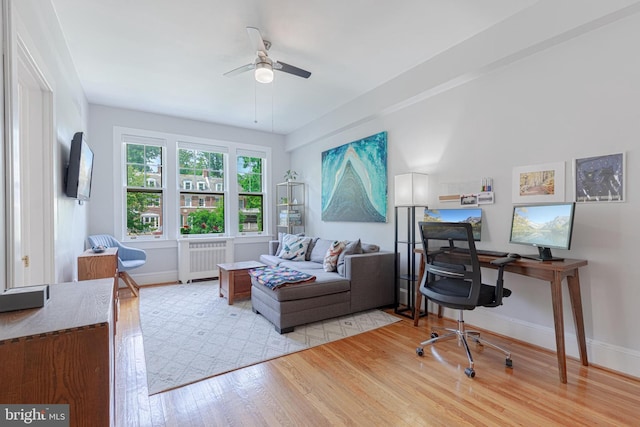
(600, 178)
(538, 183)
(354, 181)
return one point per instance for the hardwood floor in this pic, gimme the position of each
(376, 378)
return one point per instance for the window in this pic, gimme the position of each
(145, 165)
(250, 193)
(172, 185)
(206, 168)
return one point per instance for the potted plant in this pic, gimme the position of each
(290, 175)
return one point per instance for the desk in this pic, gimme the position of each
(552, 272)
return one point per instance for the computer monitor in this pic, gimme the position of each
(471, 215)
(545, 226)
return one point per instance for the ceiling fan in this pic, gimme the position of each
(263, 65)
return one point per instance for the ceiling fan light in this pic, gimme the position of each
(263, 72)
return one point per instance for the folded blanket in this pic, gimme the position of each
(276, 277)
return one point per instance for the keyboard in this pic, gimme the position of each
(485, 252)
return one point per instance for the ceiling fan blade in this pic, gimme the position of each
(240, 70)
(281, 66)
(256, 40)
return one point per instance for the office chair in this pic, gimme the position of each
(128, 258)
(452, 279)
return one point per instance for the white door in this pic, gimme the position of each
(33, 190)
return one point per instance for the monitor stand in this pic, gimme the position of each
(544, 254)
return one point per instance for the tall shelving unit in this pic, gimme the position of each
(407, 239)
(290, 204)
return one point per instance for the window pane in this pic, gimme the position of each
(144, 213)
(135, 176)
(202, 168)
(135, 153)
(250, 174)
(201, 215)
(250, 211)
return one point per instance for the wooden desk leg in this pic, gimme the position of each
(576, 305)
(558, 320)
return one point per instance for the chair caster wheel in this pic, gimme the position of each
(420, 351)
(509, 363)
(434, 335)
(470, 372)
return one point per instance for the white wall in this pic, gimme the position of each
(577, 98)
(36, 23)
(162, 257)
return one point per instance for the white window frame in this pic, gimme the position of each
(171, 209)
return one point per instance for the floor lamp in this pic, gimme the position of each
(411, 191)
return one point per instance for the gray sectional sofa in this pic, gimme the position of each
(364, 280)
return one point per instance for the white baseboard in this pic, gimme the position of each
(143, 279)
(612, 357)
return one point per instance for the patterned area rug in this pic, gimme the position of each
(190, 333)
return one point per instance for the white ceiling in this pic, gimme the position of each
(168, 57)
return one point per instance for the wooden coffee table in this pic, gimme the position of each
(235, 281)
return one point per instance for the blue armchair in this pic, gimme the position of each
(128, 258)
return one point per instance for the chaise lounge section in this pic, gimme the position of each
(364, 279)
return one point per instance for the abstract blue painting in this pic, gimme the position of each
(354, 181)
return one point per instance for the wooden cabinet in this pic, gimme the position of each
(101, 265)
(63, 352)
(235, 281)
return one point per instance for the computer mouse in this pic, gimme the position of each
(516, 256)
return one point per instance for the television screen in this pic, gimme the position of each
(472, 216)
(80, 168)
(543, 226)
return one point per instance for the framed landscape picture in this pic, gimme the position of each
(600, 178)
(539, 183)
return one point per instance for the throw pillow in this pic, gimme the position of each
(312, 244)
(331, 258)
(280, 237)
(350, 249)
(294, 248)
(320, 249)
(368, 248)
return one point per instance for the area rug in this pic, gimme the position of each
(190, 333)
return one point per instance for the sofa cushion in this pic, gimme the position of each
(351, 248)
(331, 258)
(326, 285)
(294, 248)
(320, 249)
(305, 266)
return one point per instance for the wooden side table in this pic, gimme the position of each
(102, 265)
(235, 281)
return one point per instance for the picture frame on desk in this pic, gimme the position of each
(600, 178)
(542, 183)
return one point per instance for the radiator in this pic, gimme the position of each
(199, 258)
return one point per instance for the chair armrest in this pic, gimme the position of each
(501, 262)
(128, 253)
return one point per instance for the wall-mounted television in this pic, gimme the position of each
(471, 215)
(79, 169)
(546, 226)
